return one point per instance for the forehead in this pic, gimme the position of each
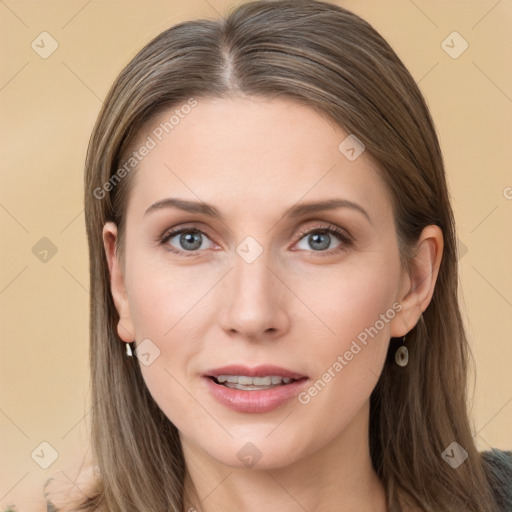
(251, 153)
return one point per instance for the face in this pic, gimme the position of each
(264, 285)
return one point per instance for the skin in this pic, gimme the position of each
(253, 159)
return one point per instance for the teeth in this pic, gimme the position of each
(248, 388)
(245, 382)
(227, 378)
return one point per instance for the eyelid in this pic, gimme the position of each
(329, 228)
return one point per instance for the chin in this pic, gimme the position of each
(258, 451)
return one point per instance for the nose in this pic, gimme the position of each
(254, 300)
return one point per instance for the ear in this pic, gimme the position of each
(125, 327)
(417, 287)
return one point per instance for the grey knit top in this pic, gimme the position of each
(498, 464)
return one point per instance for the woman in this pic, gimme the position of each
(271, 240)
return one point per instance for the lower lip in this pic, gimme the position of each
(254, 400)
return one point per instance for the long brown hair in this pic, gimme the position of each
(328, 58)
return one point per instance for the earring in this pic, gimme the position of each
(129, 351)
(402, 354)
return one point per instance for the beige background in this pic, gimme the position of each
(48, 107)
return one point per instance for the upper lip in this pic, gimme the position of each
(255, 371)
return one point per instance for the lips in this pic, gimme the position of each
(255, 371)
(247, 390)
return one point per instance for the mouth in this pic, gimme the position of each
(258, 389)
(238, 376)
(247, 383)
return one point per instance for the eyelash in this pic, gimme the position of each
(345, 240)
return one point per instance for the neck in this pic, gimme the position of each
(337, 476)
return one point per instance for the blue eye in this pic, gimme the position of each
(319, 239)
(190, 240)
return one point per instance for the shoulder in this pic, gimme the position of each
(65, 490)
(498, 465)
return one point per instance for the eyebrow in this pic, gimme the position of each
(294, 211)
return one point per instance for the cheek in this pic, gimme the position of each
(162, 297)
(351, 297)
(167, 311)
(169, 306)
(353, 309)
